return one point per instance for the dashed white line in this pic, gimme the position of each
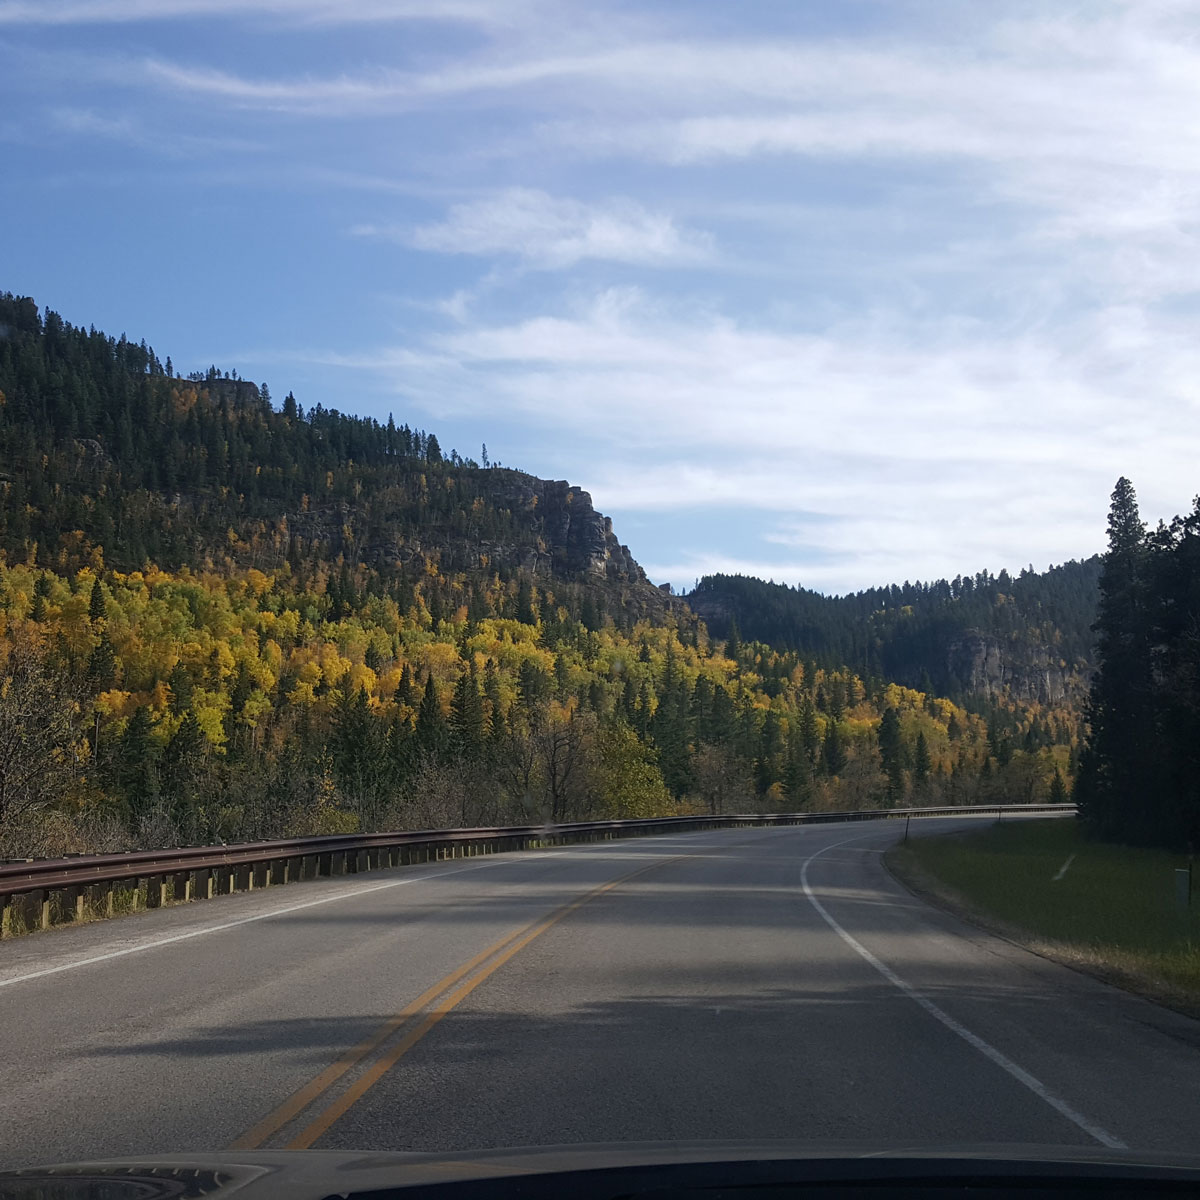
(1063, 869)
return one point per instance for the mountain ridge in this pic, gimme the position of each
(233, 619)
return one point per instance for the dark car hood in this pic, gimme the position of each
(593, 1170)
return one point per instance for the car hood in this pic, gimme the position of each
(594, 1170)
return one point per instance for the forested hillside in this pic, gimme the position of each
(980, 639)
(221, 618)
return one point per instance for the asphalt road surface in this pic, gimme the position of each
(755, 983)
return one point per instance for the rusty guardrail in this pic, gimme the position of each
(38, 893)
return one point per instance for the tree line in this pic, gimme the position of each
(154, 707)
(223, 619)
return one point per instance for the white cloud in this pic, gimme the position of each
(974, 242)
(95, 12)
(923, 449)
(132, 131)
(1081, 121)
(552, 233)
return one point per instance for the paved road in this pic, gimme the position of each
(768, 983)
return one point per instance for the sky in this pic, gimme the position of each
(837, 294)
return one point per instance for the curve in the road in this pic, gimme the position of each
(765, 983)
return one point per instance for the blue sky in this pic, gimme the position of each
(838, 294)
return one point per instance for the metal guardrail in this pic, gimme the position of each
(38, 893)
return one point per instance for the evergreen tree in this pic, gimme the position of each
(182, 760)
(833, 753)
(431, 735)
(180, 683)
(135, 763)
(1121, 777)
(405, 693)
(97, 610)
(921, 765)
(1058, 789)
(102, 665)
(466, 715)
(891, 753)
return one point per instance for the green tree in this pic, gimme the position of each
(180, 683)
(630, 782)
(102, 665)
(431, 734)
(833, 753)
(922, 764)
(466, 715)
(358, 748)
(136, 762)
(182, 762)
(1058, 789)
(1119, 779)
(891, 753)
(97, 609)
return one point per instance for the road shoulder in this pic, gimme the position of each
(906, 870)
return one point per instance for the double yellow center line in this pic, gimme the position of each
(434, 1003)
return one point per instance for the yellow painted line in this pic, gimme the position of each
(305, 1138)
(302, 1098)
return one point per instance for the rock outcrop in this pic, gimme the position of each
(984, 665)
(554, 531)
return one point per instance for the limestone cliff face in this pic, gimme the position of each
(551, 529)
(577, 539)
(989, 666)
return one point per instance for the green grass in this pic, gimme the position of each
(1113, 912)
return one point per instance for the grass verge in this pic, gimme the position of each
(1108, 910)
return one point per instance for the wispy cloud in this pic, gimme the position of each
(917, 445)
(552, 233)
(97, 12)
(940, 268)
(133, 131)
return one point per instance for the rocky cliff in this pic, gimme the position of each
(547, 527)
(995, 668)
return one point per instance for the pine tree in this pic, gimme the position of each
(891, 753)
(466, 715)
(1058, 789)
(921, 765)
(833, 754)
(102, 665)
(809, 734)
(135, 762)
(405, 693)
(1121, 776)
(733, 641)
(431, 734)
(96, 607)
(184, 755)
(180, 683)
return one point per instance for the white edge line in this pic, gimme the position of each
(1022, 1076)
(497, 860)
